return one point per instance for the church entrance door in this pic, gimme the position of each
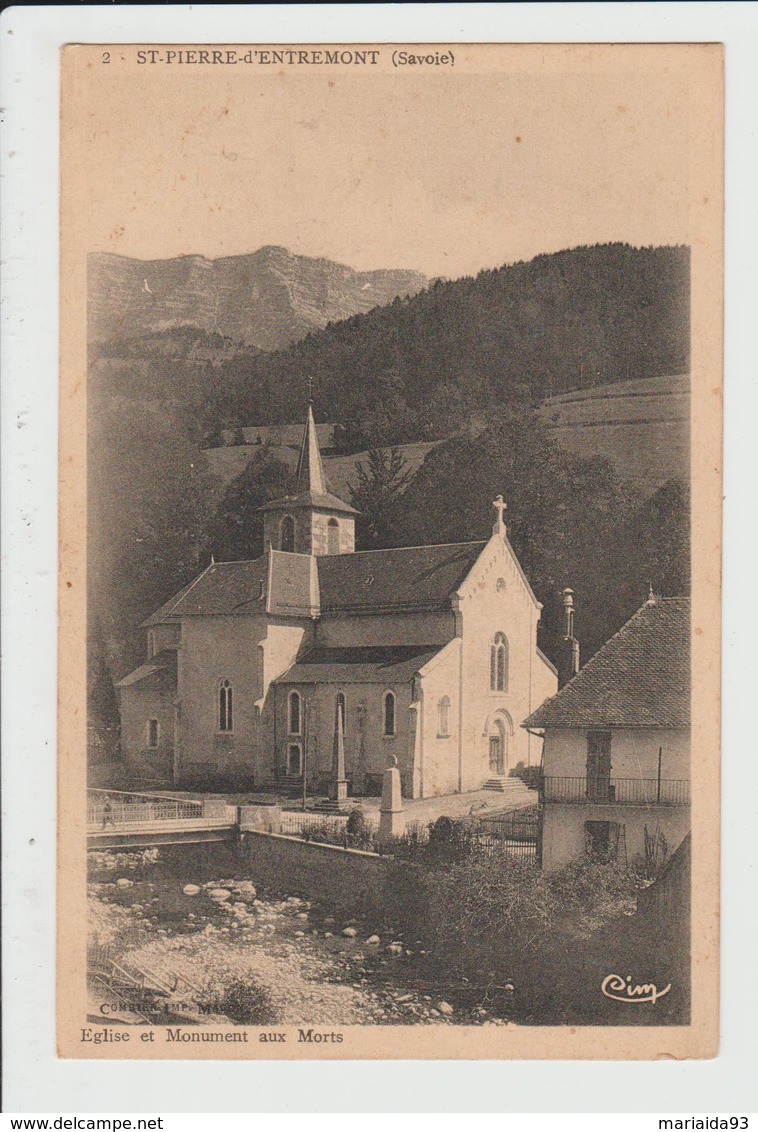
(497, 755)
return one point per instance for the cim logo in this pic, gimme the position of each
(623, 990)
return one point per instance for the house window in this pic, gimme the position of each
(499, 663)
(389, 713)
(225, 707)
(295, 759)
(152, 732)
(340, 710)
(332, 537)
(294, 713)
(287, 534)
(443, 717)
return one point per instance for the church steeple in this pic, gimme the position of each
(310, 470)
(312, 521)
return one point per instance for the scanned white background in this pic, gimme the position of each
(34, 1079)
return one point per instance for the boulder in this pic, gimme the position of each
(373, 939)
(123, 882)
(445, 1008)
(349, 933)
(191, 889)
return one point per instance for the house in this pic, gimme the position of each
(616, 756)
(256, 668)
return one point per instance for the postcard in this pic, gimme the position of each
(390, 536)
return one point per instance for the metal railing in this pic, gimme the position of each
(106, 808)
(616, 791)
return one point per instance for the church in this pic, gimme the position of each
(423, 657)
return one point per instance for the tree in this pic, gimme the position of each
(378, 497)
(236, 529)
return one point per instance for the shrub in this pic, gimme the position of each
(245, 1002)
(358, 831)
(529, 775)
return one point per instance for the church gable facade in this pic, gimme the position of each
(428, 654)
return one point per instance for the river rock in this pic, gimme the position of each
(191, 889)
(373, 939)
(349, 933)
(394, 949)
(219, 894)
(302, 916)
(445, 1008)
(124, 882)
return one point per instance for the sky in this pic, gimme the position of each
(445, 172)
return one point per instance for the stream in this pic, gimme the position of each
(251, 956)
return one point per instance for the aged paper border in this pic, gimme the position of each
(702, 64)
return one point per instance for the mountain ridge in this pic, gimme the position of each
(268, 298)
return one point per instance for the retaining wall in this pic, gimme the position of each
(347, 878)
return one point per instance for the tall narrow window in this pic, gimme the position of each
(443, 717)
(294, 713)
(287, 534)
(499, 663)
(332, 537)
(151, 644)
(389, 713)
(225, 707)
(152, 732)
(340, 710)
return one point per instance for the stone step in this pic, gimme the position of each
(502, 784)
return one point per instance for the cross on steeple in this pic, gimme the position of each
(310, 390)
(498, 527)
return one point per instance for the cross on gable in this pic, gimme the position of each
(500, 506)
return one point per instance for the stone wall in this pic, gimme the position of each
(347, 878)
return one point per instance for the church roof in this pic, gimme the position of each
(164, 661)
(389, 665)
(310, 470)
(323, 500)
(639, 678)
(311, 489)
(223, 589)
(403, 578)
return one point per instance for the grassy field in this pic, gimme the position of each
(641, 426)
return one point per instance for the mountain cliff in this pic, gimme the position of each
(268, 299)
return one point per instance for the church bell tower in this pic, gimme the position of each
(312, 521)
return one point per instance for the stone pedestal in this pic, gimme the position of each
(391, 813)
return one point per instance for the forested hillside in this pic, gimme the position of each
(435, 363)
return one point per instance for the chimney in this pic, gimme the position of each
(568, 663)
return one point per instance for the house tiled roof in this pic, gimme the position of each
(402, 579)
(639, 678)
(395, 665)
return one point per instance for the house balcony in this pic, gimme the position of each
(616, 791)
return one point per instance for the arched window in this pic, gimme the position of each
(332, 537)
(287, 534)
(499, 664)
(340, 709)
(294, 713)
(443, 717)
(225, 707)
(389, 713)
